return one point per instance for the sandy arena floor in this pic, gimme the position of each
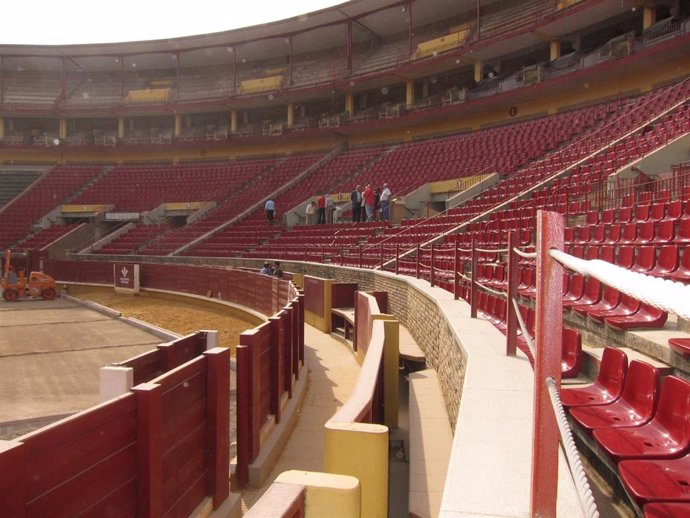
(177, 314)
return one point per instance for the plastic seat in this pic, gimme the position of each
(625, 257)
(646, 317)
(609, 300)
(683, 231)
(592, 294)
(667, 435)
(667, 510)
(664, 232)
(682, 273)
(571, 354)
(576, 289)
(635, 406)
(645, 259)
(627, 305)
(606, 388)
(680, 345)
(656, 480)
(667, 261)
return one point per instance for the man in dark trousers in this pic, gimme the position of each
(356, 199)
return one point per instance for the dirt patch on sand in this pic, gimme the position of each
(178, 314)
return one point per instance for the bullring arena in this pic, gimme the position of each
(386, 259)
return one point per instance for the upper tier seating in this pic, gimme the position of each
(53, 189)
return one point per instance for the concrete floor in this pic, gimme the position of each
(50, 356)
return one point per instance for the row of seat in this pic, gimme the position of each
(642, 426)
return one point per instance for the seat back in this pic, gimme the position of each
(613, 370)
(673, 412)
(641, 388)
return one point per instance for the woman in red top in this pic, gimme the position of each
(369, 202)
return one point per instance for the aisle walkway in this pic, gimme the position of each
(332, 375)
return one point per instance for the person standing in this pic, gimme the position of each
(369, 202)
(386, 203)
(330, 209)
(321, 204)
(310, 211)
(270, 209)
(356, 199)
(277, 271)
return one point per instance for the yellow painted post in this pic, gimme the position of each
(648, 16)
(361, 451)
(349, 103)
(120, 127)
(290, 115)
(233, 121)
(178, 124)
(391, 372)
(2, 128)
(478, 71)
(555, 50)
(409, 98)
(62, 132)
(326, 494)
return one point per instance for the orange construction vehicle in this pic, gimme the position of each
(15, 286)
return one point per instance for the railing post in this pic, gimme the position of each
(243, 415)
(381, 256)
(473, 286)
(511, 317)
(277, 348)
(397, 258)
(419, 250)
(456, 276)
(218, 423)
(149, 450)
(548, 344)
(431, 265)
(322, 254)
(361, 251)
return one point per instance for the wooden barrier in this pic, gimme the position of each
(269, 360)
(159, 449)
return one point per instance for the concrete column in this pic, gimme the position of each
(648, 16)
(478, 71)
(2, 127)
(233, 121)
(115, 381)
(120, 127)
(350, 103)
(62, 131)
(212, 339)
(178, 124)
(555, 50)
(290, 115)
(409, 97)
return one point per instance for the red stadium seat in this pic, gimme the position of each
(609, 300)
(571, 354)
(635, 406)
(667, 435)
(646, 317)
(680, 345)
(667, 510)
(606, 388)
(656, 480)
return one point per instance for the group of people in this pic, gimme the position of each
(321, 211)
(272, 269)
(371, 204)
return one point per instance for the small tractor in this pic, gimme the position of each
(15, 286)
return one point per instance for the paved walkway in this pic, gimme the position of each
(333, 372)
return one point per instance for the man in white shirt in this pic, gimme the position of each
(386, 202)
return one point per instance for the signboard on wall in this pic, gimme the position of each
(126, 278)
